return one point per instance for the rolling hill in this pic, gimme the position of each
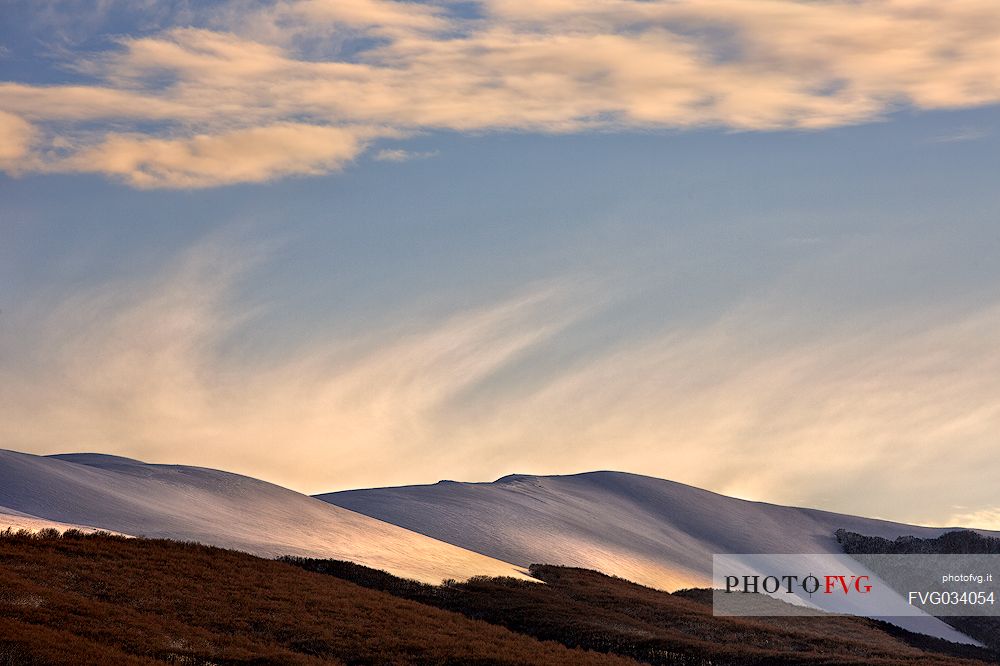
(651, 531)
(222, 509)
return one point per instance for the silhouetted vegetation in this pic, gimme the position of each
(951, 543)
(102, 599)
(586, 609)
(985, 629)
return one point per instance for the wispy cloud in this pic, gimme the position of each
(744, 403)
(240, 156)
(400, 155)
(16, 138)
(546, 66)
(985, 519)
(136, 365)
(962, 135)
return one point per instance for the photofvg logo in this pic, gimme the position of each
(808, 584)
(865, 585)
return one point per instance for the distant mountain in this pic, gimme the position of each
(218, 508)
(651, 531)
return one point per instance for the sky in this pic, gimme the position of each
(746, 245)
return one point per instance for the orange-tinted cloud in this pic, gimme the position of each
(548, 66)
(240, 156)
(16, 137)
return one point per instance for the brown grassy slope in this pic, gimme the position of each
(816, 638)
(109, 600)
(582, 608)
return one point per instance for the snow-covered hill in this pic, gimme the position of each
(17, 520)
(648, 530)
(219, 508)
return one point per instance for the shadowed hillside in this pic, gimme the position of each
(99, 599)
(985, 629)
(582, 608)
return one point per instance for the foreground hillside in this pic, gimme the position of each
(652, 531)
(218, 508)
(100, 599)
(95, 599)
(582, 608)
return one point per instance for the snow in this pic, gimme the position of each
(16, 521)
(219, 508)
(651, 531)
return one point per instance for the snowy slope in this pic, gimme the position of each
(219, 508)
(16, 520)
(651, 531)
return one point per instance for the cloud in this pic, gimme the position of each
(400, 155)
(984, 519)
(548, 66)
(242, 156)
(368, 13)
(16, 137)
(743, 406)
(69, 105)
(849, 416)
(137, 365)
(962, 135)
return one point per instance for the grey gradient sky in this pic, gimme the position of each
(748, 246)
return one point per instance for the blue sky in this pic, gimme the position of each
(792, 299)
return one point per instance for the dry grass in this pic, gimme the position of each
(582, 608)
(98, 599)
